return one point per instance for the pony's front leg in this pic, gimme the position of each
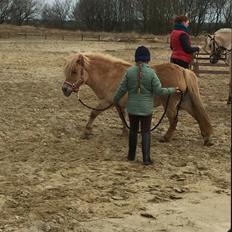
(122, 115)
(94, 113)
(230, 95)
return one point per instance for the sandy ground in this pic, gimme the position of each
(52, 180)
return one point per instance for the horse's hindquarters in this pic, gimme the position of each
(170, 75)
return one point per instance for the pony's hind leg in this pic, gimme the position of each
(94, 113)
(188, 107)
(171, 115)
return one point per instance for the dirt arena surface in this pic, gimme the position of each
(52, 180)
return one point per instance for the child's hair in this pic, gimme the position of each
(180, 19)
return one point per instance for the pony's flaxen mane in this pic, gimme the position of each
(106, 57)
(86, 58)
(72, 62)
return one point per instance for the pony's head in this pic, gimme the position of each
(215, 49)
(75, 74)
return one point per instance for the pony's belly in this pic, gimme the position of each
(157, 101)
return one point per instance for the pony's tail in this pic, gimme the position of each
(198, 109)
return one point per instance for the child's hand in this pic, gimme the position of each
(178, 90)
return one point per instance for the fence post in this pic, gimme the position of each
(196, 67)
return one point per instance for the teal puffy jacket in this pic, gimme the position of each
(140, 103)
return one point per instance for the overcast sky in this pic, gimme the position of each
(48, 1)
(51, 1)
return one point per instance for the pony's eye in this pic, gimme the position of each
(74, 72)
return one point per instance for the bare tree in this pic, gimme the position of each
(107, 15)
(5, 6)
(85, 13)
(198, 15)
(227, 13)
(152, 16)
(57, 13)
(22, 11)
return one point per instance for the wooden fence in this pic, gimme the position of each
(201, 65)
(83, 37)
(61, 36)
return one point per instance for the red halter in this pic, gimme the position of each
(76, 85)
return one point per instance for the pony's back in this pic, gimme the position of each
(224, 36)
(222, 30)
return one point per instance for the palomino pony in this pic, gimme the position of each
(103, 73)
(218, 44)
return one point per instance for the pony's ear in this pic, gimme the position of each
(66, 59)
(80, 60)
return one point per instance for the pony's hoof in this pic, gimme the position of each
(124, 133)
(208, 143)
(163, 140)
(229, 100)
(85, 136)
(87, 133)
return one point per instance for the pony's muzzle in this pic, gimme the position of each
(67, 90)
(213, 59)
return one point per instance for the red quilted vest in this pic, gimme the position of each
(177, 50)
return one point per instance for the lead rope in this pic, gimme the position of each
(84, 104)
(178, 107)
(92, 108)
(126, 124)
(166, 107)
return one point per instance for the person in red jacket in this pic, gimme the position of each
(180, 43)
